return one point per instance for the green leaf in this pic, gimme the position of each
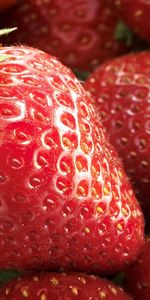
(81, 75)
(7, 30)
(7, 275)
(119, 279)
(123, 33)
(3, 57)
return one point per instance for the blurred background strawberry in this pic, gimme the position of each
(136, 13)
(6, 4)
(82, 34)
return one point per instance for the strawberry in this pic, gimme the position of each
(62, 287)
(65, 200)
(140, 271)
(6, 4)
(80, 33)
(136, 14)
(121, 90)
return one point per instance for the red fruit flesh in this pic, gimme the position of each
(65, 200)
(62, 287)
(136, 13)
(140, 271)
(80, 33)
(121, 89)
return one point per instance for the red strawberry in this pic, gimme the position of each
(80, 33)
(122, 94)
(140, 272)
(136, 13)
(62, 287)
(6, 4)
(65, 200)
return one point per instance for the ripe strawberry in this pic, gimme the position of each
(80, 33)
(136, 13)
(62, 287)
(140, 271)
(6, 4)
(65, 200)
(122, 94)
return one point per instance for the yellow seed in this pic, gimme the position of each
(92, 80)
(82, 279)
(138, 13)
(74, 290)
(124, 211)
(93, 277)
(7, 291)
(120, 174)
(66, 142)
(113, 290)
(54, 281)
(99, 209)
(102, 295)
(43, 297)
(35, 278)
(79, 165)
(94, 172)
(94, 192)
(82, 127)
(87, 230)
(106, 191)
(119, 227)
(81, 191)
(25, 293)
(84, 147)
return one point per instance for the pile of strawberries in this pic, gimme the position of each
(74, 153)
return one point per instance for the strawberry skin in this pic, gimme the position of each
(62, 287)
(6, 4)
(121, 90)
(136, 14)
(65, 200)
(80, 33)
(140, 271)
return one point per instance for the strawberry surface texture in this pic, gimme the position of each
(80, 33)
(62, 287)
(140, 271)
(121, 90)
(65, 201)
(136, 14)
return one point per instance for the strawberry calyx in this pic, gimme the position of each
(5, 31)
(123, 33)
(3, 57)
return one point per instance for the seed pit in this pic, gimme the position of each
(83, 109)
(82, 189)
(51, 139)
(64, 186)
(68, 120)
(66, 165)
(35, 181)
(2, 178)
(86, 145)
(64, 100)
(69, 140)
(97, 190)
(9, 110)
(16, 163)
(81, 163)
(20, 197)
